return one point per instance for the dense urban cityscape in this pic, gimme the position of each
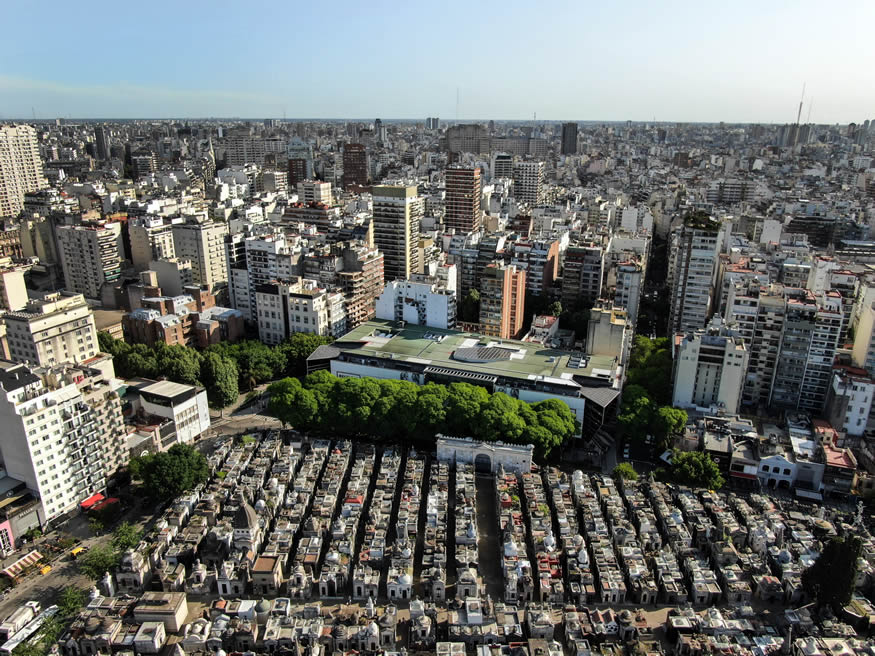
(498, 387)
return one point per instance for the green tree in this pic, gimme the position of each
(555, 309)
(636, 416)
(297, 349)
(431, 408)
(469, 308)
(219, 376)
(178, 363)
(70, 601)
(98, 560)
(463, 406)
(830, 580)
(292, 404)
(126, 536)
(668, 421)
(696, 469)
(625, 471)
(168, 474)
(501, 419)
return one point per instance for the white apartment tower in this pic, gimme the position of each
(62, 438)
(90, 257)
(55, 329)
(710, 366)
(21, 169)
(692, 270)
(528, 182)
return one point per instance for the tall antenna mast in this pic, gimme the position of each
(457, 104)
(810, 105)
(799, 114)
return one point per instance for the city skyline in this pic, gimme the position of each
(736, 64)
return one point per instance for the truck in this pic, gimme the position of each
(18, 620)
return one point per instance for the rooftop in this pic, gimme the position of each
(439, 348)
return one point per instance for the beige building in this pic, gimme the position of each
(21, 169)
(55, 329)
(311, 191)
(13, 292)
(203, 243)
(397, 213)
(608, 332)
(298, 307)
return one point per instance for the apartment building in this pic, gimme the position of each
(502, 301)
(151, 239)
(253, 261)
(299, 306)
(203, 243)
(426, 303)
(90, 256)
(528, 182)
(462, 199)
(21, 168)
(692, 269)
(312, 191)
(54, 329)
(583, 273)
(62, 438)
(397, 213)
(709, 369)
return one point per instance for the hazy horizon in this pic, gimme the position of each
(675, 62)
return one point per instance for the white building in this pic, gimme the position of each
(21, 168)
(528, 182)
(254, 261)
(54, 439)
(298, 307)
(627, 292)
(692, 270)
(185, 405)
(710, 366)
(427, 303)
(90, 256)
(13, 291)
(849, 400)
(52, 330)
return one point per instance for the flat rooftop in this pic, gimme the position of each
(500, 357)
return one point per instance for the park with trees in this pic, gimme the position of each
(394, 409)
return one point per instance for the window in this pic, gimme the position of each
(786, 472)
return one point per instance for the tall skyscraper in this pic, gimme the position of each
(21, 169)
(583, 273)
(692, 269)
(502, 301)
(300, 156)
(569, 138)
(462, 200)
(397, 214)
(355, 165)
(100, 142)
(528, 182)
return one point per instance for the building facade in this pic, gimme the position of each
(21, 168)
(397, 214)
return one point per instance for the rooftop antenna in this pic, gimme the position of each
(810, 105)
(457, 104)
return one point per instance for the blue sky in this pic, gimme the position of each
(673, 60)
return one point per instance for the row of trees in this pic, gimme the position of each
(396, 409)
(223, 369)
(103, 558)
(646, 405)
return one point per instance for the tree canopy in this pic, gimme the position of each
(625, 471)
(394, 409)
(830, 580)
(219, 367)
(469, 308)
(168, 474)
(98, 560)
(696, 469)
